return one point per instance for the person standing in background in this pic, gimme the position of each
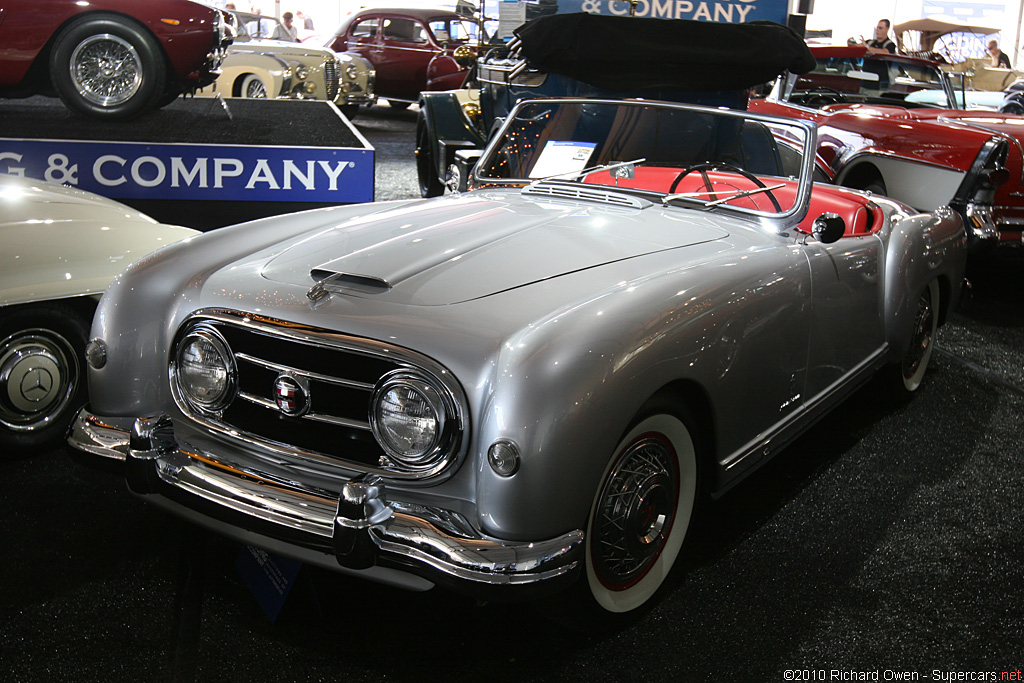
(285, 30)
(999, 58)
(881, 42)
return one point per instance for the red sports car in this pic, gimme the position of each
(411, 49)
(879, 130)
(109, 58)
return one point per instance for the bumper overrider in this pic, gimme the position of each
(359, 531)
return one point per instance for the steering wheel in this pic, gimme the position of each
(720, 166)
(821, 95)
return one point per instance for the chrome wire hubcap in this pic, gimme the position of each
(106, 70)
(636, 512)
(38, 371)
(922, 337)
(256, 89)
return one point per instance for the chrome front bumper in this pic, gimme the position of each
(359, 531)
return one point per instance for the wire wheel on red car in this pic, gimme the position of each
(108, 67)
(641, 512)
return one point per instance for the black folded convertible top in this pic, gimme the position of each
(627, 53)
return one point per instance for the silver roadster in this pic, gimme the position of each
(527, 384)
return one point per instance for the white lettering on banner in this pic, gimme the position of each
(60, 172)
(112, 170)
(12, 170)
(220, 171)
(725, 12)
(262, 174)
(290, 169)
(342, 165)
(178, 170)
(97, 170)
(161, 171)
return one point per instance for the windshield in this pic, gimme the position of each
(858, 80)
(697, 156)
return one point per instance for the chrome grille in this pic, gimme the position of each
(338, 373)
(331, 78)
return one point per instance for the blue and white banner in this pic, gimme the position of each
(132, 170)
(724, 11)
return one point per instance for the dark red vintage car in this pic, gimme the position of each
(879, 129)
(109, 58)
(411, 49)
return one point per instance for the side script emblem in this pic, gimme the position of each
(291, 394)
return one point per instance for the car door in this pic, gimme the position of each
(847, 326)
(362, 39)
(406, 49)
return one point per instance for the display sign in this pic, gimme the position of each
(174, 171)
(725, 11)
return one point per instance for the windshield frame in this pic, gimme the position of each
(806, 131)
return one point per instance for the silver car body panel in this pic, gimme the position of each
(558, 319)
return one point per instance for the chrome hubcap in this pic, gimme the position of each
(636, 512)
(106, 70)
(922, 338)
(38, 372)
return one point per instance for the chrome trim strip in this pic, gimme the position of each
(316, 417)
(441, 543)
(305, 373)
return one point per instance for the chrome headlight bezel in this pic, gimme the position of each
(436, 450)
(210, 336)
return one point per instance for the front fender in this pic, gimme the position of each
(941, 238)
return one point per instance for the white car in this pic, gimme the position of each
(261, 68)
(61, 248)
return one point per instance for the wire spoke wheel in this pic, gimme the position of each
(922, 339)
(106, 70)
(641, 513)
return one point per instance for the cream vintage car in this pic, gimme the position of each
(61, 248)
(261, 68)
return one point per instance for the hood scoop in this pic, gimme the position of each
(329, 281)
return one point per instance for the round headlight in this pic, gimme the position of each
(409, 417)
(205, 370)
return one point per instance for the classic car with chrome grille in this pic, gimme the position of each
(113, 59)
(61, 248)
(885, 125)
(532, 383)
(262, 68)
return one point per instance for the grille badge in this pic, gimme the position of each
(291, 394)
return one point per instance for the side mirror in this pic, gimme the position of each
(828, 228)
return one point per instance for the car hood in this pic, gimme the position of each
(60, 242)
(279, 48)
(465, 247)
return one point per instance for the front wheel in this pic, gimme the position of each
(108, 67)
(641, 512)
(253, 87)
(922, 338)
(41, 374)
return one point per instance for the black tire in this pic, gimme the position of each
(42, 374)
(398, 104)
(426, 168)
(108, 67)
